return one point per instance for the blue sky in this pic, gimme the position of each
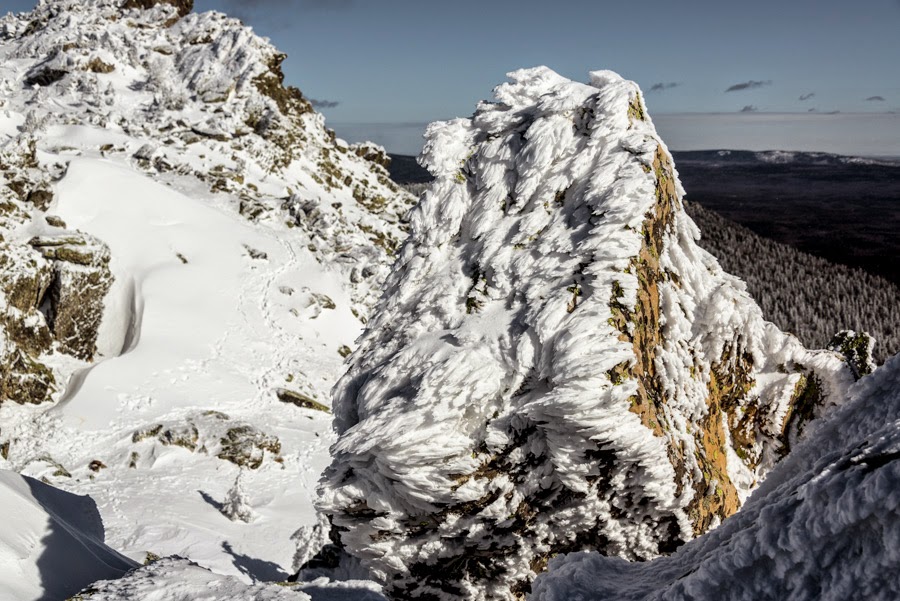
(414, 61)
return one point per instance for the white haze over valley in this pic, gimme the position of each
(853, 134)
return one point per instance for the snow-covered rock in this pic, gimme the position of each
(51, 542)
(175, 579)
(555, 364)
(187, 254)
(824, 526)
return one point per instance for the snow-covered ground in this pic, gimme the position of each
(247, 245)
(198, 347)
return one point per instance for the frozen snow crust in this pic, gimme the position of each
(824, 526)
(555, 365)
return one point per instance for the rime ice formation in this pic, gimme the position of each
(555, 364)
(824, 526)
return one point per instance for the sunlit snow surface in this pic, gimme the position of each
(213, 333)
(220, 332)
(215, 309)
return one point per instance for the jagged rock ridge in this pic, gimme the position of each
(555, 364)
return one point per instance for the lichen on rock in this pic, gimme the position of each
(81, 280)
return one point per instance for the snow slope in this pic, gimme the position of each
(824, 526)
(51, 542)
(556, 365)
(174, 579)
(247, 245)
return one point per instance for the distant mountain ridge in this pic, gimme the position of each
(405, 169)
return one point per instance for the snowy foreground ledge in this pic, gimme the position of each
(51, 541)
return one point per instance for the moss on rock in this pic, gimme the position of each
(857, 351)
(300, 400)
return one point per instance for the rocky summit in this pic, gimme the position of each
(174, 87)
(556, 366)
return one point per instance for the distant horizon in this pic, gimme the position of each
(867, 135)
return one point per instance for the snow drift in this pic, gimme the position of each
(51, 542)
(555, 364)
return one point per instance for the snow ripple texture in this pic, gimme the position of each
(555, 365)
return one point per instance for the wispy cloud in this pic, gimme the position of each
(279, 13)
(749, 85)
(749, 109)
(323, 104)
(875, 99)
(663, 86)
(804, 97)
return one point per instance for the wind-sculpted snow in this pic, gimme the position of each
(824, 526)
(555, 364)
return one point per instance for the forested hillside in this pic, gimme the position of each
(802, 293)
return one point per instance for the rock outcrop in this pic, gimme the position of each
(182, 7)
(81, 279)
(52, 287)
(51, 292)
(556, 365)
